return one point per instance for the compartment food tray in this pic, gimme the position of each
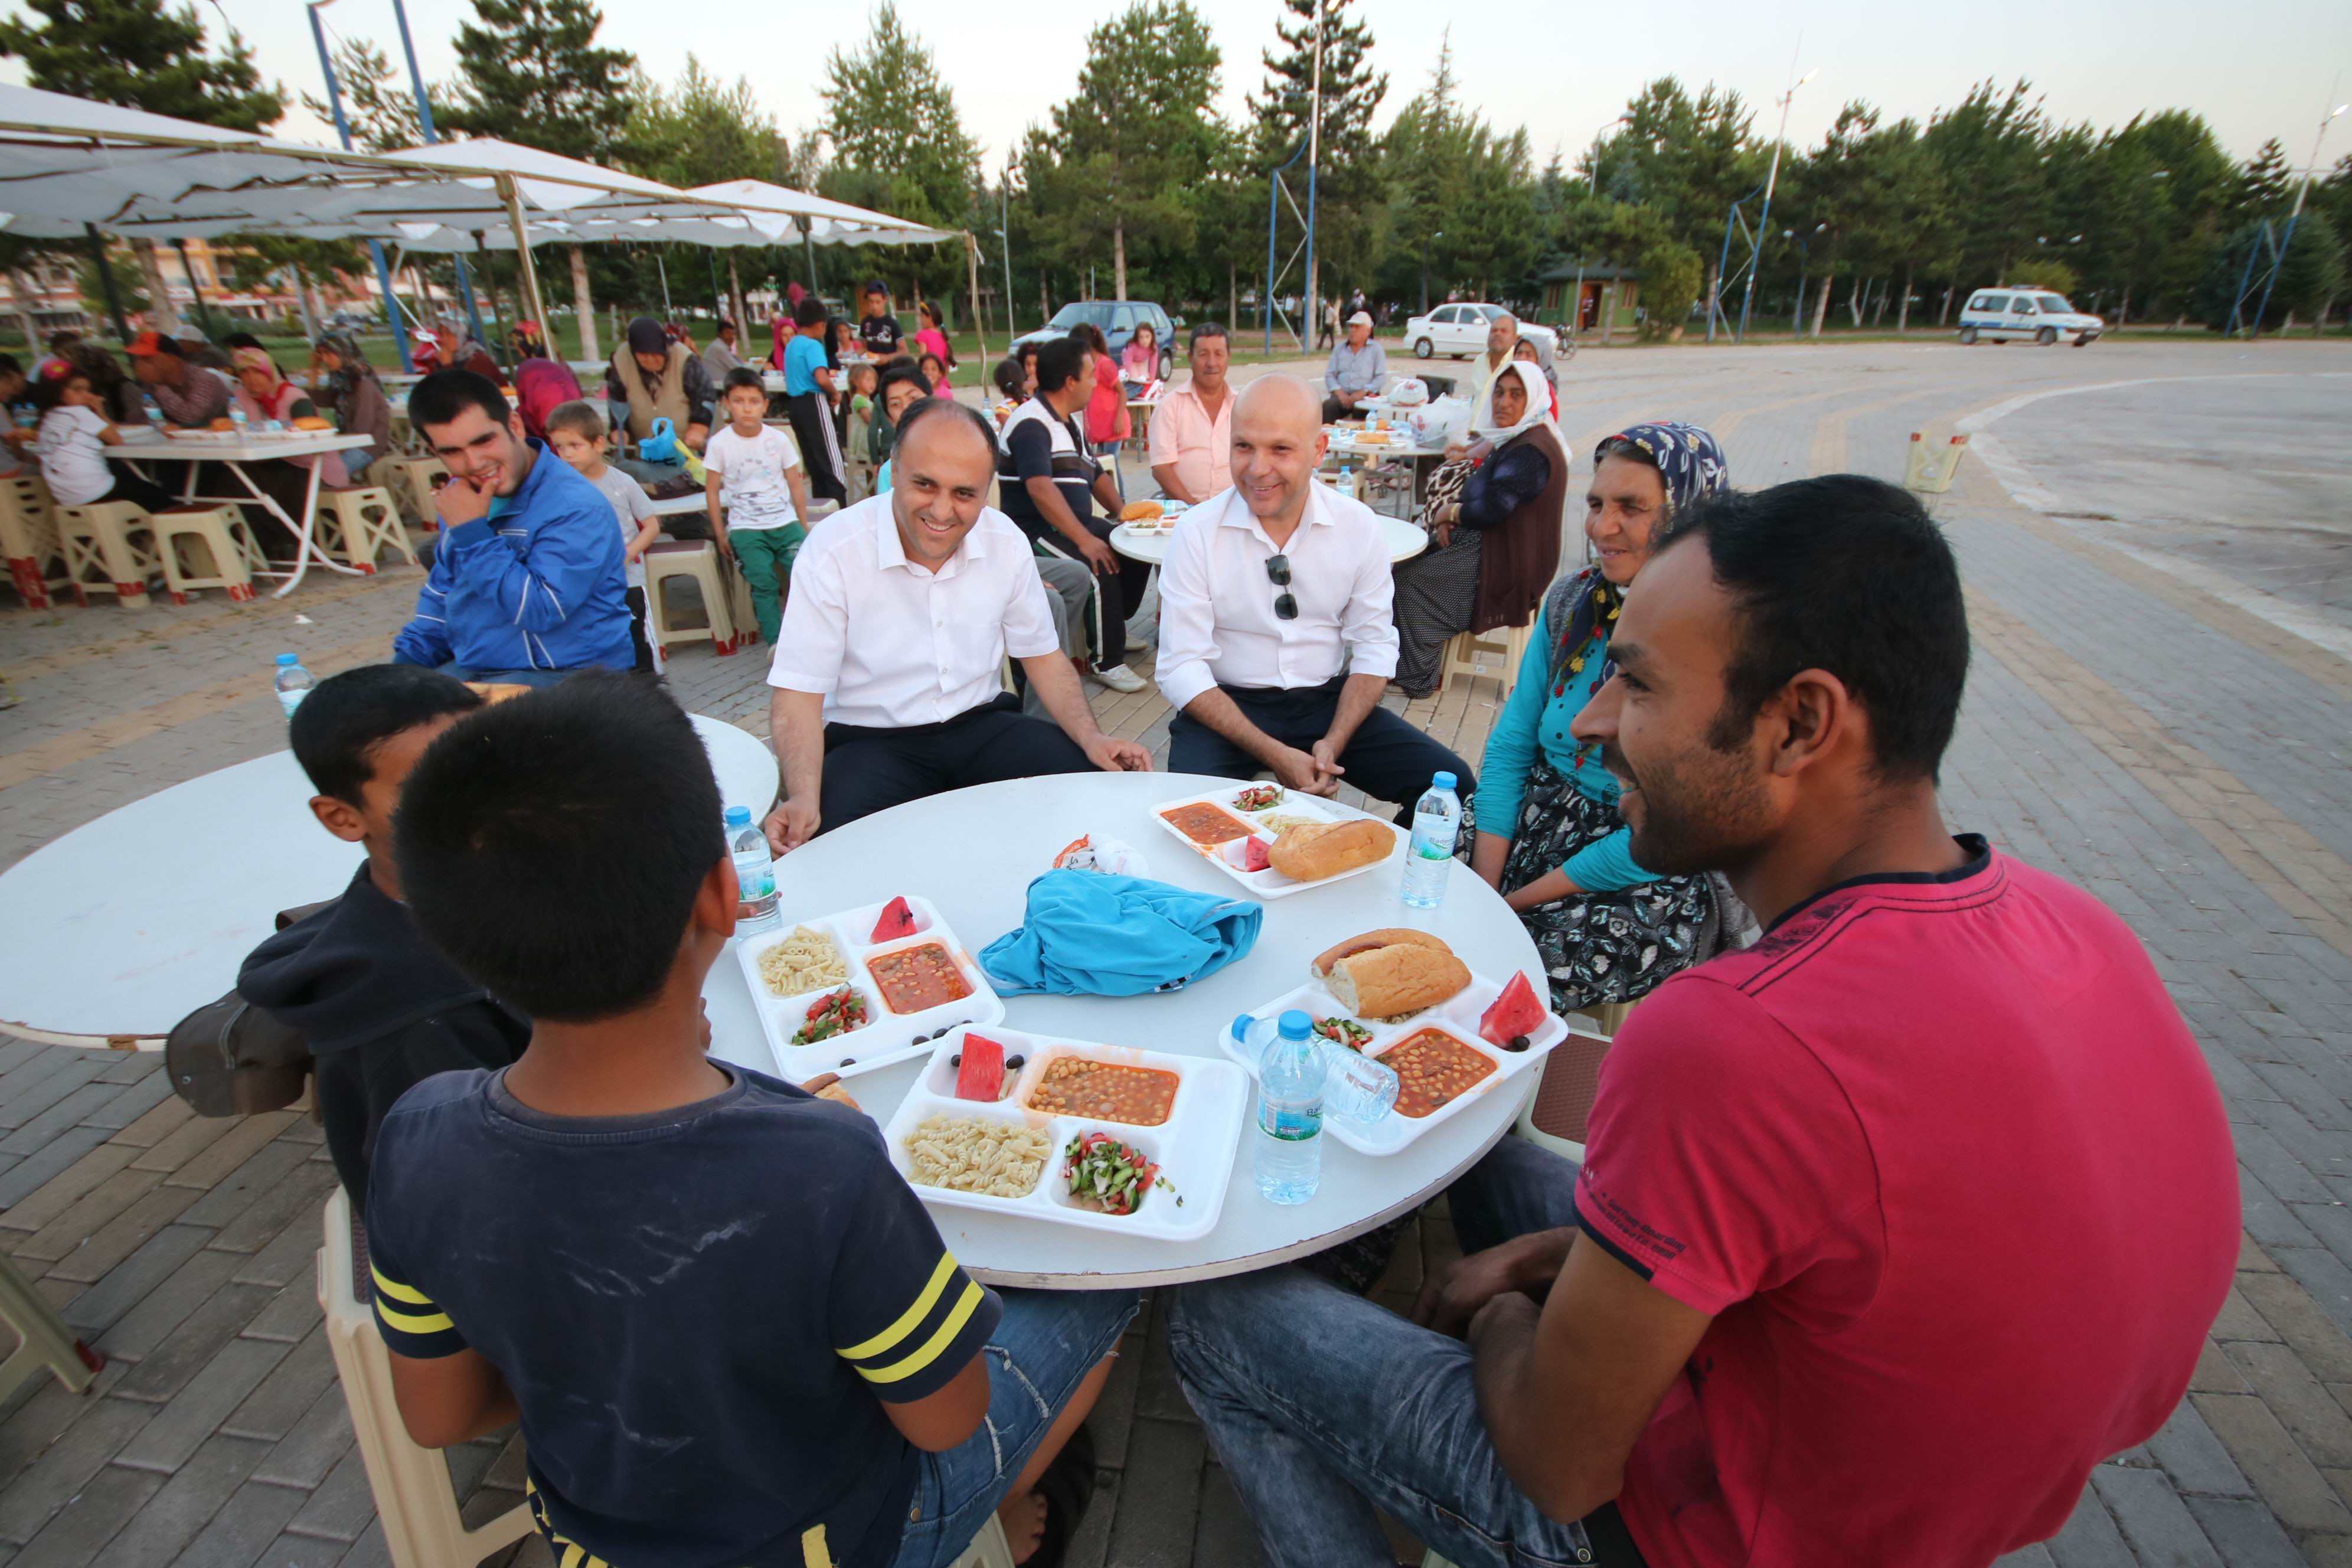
(1194, 1147)
(1268, 883)
(887, 1036)
(1457, 1016)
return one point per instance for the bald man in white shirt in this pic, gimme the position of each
(887, 669)
(1276, 638)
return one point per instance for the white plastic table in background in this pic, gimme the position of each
(233, 452)
(125, 925)
(1405, 541)
(973, 853)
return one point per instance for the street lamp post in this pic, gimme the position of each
(1433, 239)
(343, 130)
(2301, 192)
(1771, 180)
(1602, 130)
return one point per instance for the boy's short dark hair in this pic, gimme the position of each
(8, 365)
(446, 394)
(552, 846)
(1059, 363)
(1848, 574)
(740, 377)
(237, 341)
(898, 371)
(809, 312)
(580, 418)
(877, 287)
(337, 729)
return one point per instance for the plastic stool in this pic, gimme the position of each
(989, 1549)
(1466, 655)
(28, 540)
(414, 480)
(413, 1497)
(99, 547)
(698, 562)
(222, 531)
(48, 1345)
(1554, 1116)
(364, 522)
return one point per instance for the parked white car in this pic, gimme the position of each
(2001, 314)
(1460, 331)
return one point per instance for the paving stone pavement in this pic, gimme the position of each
(2144, 716)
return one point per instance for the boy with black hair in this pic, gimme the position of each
(382, 1010)
(808, 400)
(577, 432)
(730, 1329)
(753, 469)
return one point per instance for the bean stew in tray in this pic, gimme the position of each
(1108, 1091)
(1433, 1068)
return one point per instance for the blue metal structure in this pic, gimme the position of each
(376, 248)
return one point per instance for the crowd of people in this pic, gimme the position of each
(1866, 1263)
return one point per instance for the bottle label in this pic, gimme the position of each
(1291, 1123)
(758, 883)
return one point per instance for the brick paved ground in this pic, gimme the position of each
(2143, 717)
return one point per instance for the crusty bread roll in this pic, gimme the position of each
(827, 1086)
(1141, 510)
(1383, 937)
(224, 424)
(312, 422)
(1402, 977)
(1327, 848)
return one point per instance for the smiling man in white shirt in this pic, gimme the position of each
(1276, 640)
(903, 609)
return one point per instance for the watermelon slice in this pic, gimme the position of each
(896, 919)
(1515, 1016)
(1256, 855)
(981, 1075)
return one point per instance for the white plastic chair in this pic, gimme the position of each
(413, 1497)
(49, 1345)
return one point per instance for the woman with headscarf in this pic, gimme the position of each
(346, 383)
(1529, 352)
(1494, 519)
(266, 395)
(1549, 837)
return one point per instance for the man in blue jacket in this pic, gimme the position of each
(528, 583)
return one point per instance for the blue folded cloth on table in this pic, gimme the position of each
(1088, 934)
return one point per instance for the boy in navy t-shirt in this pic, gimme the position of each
(730, 1329)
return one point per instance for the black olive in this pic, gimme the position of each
(956, 1060)
(1012, 1064)
(1517, 1043)
(848, 1061)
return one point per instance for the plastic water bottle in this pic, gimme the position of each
(1358, 1087)
(755, 871)
(1436, 820)
(1289, 1155)
(236, 418)
(294, 683)
(154, 410)
(1251, 1035)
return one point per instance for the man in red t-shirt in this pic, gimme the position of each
(1892, 1225)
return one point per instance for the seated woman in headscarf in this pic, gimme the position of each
(1549, 837)
(1494, 518)
(350, 393)
(266, 395)
(1528, 351)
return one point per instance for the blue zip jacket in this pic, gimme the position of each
(536, 585)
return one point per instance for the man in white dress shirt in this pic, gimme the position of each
(887, 672)
(1275, 639)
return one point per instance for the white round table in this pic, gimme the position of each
(1405, 541)
(973, 853)
(122, 927)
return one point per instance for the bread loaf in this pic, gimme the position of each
(1141, 511)
(1327, 848)
(1383, 937)
(1402, 977)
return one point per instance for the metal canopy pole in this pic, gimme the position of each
(424, 123)
(522, 247)
(376, 248)
(106, 282)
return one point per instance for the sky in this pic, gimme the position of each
(2268, 74)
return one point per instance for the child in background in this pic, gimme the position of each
(731, 1329)
(577, 431)
(857, 429)
(75, 434)
(755, 473)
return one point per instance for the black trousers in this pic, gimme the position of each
(1334, 411)
(144, 494)
(1116, 598)
(820, 446)
(637, 633)
(1386, 757)
(868, 770)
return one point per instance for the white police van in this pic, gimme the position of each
(1999, 314)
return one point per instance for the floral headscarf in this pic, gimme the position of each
(1688, 458)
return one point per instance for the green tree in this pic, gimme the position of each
(2265, 186)
(1843, 195)
(141, 54)
(703, 131)
(1137, 137)
(1671, 275)
(532, 71)
(2309, 277)
(378, 107)
(898, 145)
(1990, 146)
(1348, 181)
(1687, 158)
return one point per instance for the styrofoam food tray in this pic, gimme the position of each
(1457, 1016)
(1194, 1147)
(887, 1036)
(1268, 883)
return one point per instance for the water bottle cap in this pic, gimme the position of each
(1295, 1024)
(739, 817)
(1442, 781)
(288, 659)
(1241, 1025)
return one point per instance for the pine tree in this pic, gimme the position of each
(893, 120)
(379, 109)
(137, 54)
(2265, 186)
(532, 71)
(1347, 181)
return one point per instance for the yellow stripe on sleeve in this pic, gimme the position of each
(412, 1324)
(908, 1320)
(814, 1553)
(396, 1290)
(930, 1351)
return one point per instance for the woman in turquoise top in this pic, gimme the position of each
(1549, 839)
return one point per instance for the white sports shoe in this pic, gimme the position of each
(1137, 644)
(1118, 678)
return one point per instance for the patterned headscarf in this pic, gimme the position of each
(1691, 462)
(353, 362)
(1688, 458)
